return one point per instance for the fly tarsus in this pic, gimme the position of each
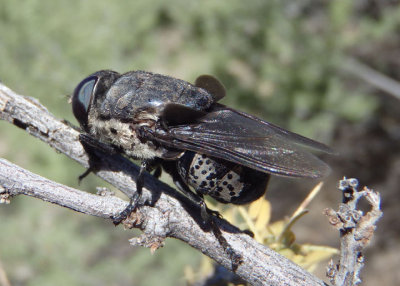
(132, 206)
(235, 258)
(135, 199)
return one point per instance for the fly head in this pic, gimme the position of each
(89, 92)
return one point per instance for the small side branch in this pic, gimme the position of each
(18, 181)
(356, 231)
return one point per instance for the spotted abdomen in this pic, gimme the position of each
(225, 181)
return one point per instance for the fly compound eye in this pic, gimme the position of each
(82, 98)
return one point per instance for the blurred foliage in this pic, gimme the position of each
(280, 60)
(279, 235)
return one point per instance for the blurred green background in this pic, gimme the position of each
(281, 60)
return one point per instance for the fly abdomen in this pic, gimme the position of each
(225, 181)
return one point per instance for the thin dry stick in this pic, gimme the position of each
(3, 276)
(372, 77)
(314, 192)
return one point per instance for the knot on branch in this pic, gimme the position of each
(4, 196)
(155, 230)
(135, 220)
(104, 192)
(149, 241)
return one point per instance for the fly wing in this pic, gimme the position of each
(241, 138)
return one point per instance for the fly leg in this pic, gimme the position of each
(207, 215)
(92, 146)
(134, 200)
(157, 172)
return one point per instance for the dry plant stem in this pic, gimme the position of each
(371, 76)
(170, 214)
(356, 231)
(3, 276)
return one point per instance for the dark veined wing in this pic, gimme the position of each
(247, 140)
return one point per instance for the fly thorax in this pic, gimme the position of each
(123, 135)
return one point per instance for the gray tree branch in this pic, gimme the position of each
(170, 214)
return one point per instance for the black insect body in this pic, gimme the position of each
(218, 151)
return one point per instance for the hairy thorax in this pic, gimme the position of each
(123, 135)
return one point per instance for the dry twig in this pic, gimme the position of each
(356, 231)
(372, 77)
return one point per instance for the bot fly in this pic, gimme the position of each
(214, 149)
